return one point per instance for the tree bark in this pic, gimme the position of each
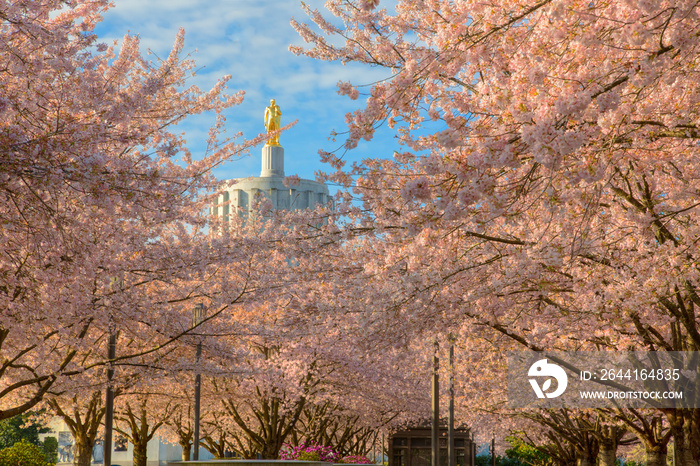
(82, 456)
(271, 451)
(689, 455)
(681, 423)
(684, 455)
(141, 453)
(607, 456)
(656, 457)
(608, 442)
(186, 450)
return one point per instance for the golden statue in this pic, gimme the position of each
(272, 122)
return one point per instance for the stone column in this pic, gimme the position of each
(272, 161)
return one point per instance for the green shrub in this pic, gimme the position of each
(23, 426)
(22, 453)
(525, 453)
(306, 456)
(50, 447)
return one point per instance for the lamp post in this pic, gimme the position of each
(109, 396)
(199, 315)
(435, 447)
(472, 460)
(451, 412)
(115, 283)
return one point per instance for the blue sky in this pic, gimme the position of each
(249, 40)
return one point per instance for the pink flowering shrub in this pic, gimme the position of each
(311, 452)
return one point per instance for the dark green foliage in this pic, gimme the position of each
(50, 447)
(309, 456)
(526, 454)
(22, 427)
(22, 453)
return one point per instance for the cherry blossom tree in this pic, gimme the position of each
(138, 422)
(547, 186)
(218, 437)
(83, 416)
(96, 186)
(179, 428)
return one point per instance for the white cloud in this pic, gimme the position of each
(249, 40)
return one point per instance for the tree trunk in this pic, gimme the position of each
(186, 450)
(141, 453)
(270, 451)
(684, 457)
(585, 461)
(139, 431)
(681, 421)
(607, 445)
(656, 457)
(607, 456)
(689, 455)
(82, 455)
(681, 453)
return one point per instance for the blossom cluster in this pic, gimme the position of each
(309, 452)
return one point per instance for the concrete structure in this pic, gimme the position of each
(239, 196)
(412, 447)
(232, 462)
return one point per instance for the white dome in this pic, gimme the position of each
(239, 195)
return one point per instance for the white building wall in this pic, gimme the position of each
(240, 195)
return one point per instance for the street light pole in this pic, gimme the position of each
(472, 460)
(451, 415)
(493, 449)
(114, 285)
(197, 387)
(435, 450)
(109, 397)
(198, 318)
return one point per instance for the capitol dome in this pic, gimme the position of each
(240, 195)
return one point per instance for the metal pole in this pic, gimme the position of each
(493, 450)
(197, 387)
(384, 450)
(436, 409)
(472, 460)
(451, 415)
(109, 397)
(198, 318)
(374, 449)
